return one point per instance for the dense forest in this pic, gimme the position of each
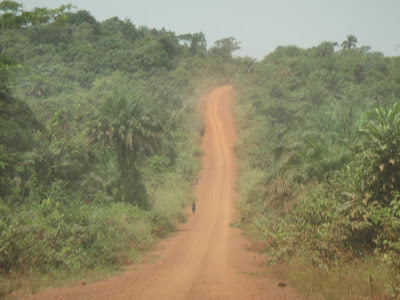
(99, 137)
(100, 141)
(319, 154)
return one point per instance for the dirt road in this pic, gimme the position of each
(206, 259)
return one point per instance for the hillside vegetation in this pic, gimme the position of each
(319, 137)
(99, 138)
(99, 144)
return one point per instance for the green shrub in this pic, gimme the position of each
(71, 236)
(381, 155)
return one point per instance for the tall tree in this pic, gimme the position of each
(350, 42)
(225, 47)
(124, 124)
(17, 125)
(195, 42)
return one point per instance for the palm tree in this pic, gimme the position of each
(350, 42)
(127, 127)
(316, 94)
(124, 125)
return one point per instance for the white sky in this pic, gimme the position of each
(259, 25)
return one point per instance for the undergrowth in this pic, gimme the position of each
(55, 243)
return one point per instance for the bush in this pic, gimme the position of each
(381, 156)
(71, 236)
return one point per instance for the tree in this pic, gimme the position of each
(62, 156)
(315, 94)
(225, 47)
(14, 16)
(11, 14)
(169, 42)
(117, 27)
(124, 125)
(350, 42)
(325, 49)
(195, 42)
(17, 125)
(149, 54)
(81, 16)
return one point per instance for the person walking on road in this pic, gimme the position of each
(193, 207)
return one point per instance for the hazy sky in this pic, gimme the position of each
(259, 25)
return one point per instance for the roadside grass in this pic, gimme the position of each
(246, 184)
(360, 279)
(171, 199)
(18, 285)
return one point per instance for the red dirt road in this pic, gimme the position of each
(206, 258)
